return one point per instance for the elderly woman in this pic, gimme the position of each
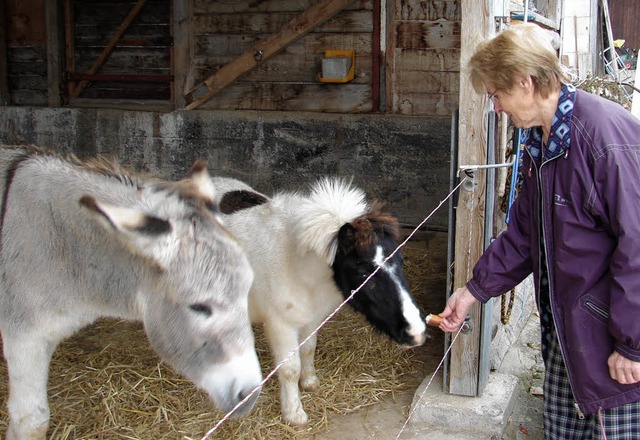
(576, 226)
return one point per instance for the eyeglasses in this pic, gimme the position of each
(492, 96)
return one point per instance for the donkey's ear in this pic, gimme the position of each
(137, 231)
(202, 180)
(125, 219)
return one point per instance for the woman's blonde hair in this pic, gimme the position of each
(522, 50)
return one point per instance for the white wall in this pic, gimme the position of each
(579, 49)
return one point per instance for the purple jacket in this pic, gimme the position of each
(591, 223)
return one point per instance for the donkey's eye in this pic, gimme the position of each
(201, 308)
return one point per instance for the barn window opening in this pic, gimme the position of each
(118, 52)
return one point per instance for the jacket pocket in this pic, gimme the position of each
(595, 308)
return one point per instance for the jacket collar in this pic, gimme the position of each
(559, 139)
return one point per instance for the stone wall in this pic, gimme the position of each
(403, 160)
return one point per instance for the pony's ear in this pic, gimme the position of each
(135, 229)
(346, 239)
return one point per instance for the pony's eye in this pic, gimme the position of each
(201, 308)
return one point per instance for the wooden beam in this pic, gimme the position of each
(69, 44)
(182, 52)
(612, 49)
(110, 46)
(464, 363)
(263, 50)
(5, 96)
(55, 52)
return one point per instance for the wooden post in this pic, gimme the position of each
(55, 52)
(5, 97)
(464, 364)
(635, 100)
(182, 51)
(612, 49)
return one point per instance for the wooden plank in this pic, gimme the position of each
(298, 62)
(28, 97)
(246, 6)
(287, 68)
(317, 97)
(55, 52)
(228, 47)
(609, 41)
(312, 17)
(70, 66)
(625, 16)
(635, 101)
(464, 359)
(110, 14)
(425, 104)
(125, 60)
(269, 23)
(425, 60)
(439, 34)
(408, 81)
(428, 10)
(183, 51)
(146, 105)
(110, 46)
(4, 82)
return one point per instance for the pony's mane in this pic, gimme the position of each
(366, 229)
(378, 221)
(331, 203)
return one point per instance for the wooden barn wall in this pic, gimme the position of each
(423, 61)
(288, 80)
(26, 52)
(420, 57)
(625, 19)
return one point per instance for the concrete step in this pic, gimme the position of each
(447, 416)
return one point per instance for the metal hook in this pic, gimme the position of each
(467, 326)
(258, 55)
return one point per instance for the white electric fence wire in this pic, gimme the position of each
(415, 406)
(328, 318)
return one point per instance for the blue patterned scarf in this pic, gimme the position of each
(559, 139)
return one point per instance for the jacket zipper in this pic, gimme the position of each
(596, 308)
(546, 256)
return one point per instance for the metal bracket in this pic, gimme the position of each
(468, 169)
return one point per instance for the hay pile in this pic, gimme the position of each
(107, 383)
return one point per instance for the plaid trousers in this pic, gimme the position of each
(561, 418)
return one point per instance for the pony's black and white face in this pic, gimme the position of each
(385, 299)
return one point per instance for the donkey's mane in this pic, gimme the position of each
(109, 166)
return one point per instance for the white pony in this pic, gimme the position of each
(308, 253)
(83, 240)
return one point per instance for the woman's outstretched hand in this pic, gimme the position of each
(455, 312)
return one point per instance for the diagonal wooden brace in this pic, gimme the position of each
(314, 16)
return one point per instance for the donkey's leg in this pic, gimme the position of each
(28, 366)
(308, 379)
(283, 339)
